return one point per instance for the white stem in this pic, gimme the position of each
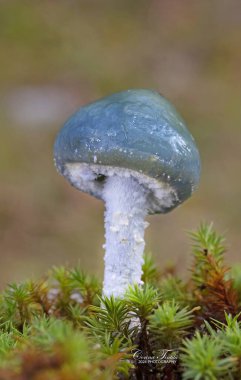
(126, 209)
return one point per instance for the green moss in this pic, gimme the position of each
(61, 327)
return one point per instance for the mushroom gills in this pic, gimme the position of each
(92, 178)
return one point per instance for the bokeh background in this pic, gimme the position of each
(59, 55)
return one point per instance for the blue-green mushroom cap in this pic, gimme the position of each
(134, 133)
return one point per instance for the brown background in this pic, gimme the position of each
(58, 55)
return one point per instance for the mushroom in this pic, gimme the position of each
(133, 151)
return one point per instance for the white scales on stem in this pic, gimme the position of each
(126, 209)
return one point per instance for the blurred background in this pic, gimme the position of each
(59, 55)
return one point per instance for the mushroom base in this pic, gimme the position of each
(126, 209)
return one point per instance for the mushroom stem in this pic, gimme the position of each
(126, 209)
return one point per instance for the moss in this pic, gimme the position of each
(61, 328)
